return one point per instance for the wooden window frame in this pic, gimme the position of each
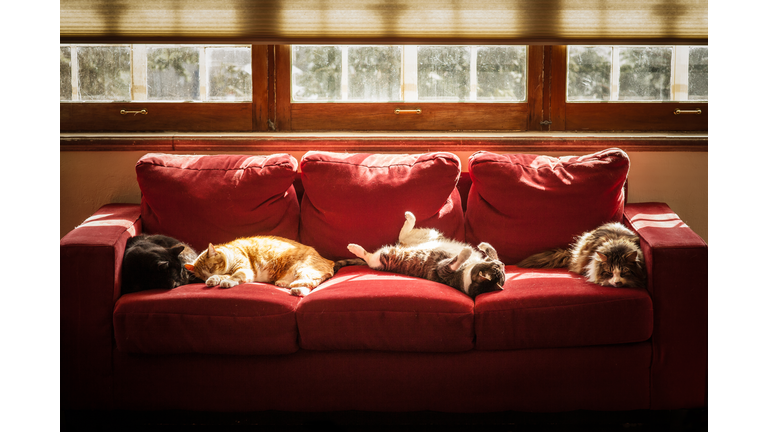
(77, 116)
(271, 110)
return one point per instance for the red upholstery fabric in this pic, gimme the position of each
(215, 199)
(360, 308)
(523, 204)
(361, 198)
(90, 260)
(557, 379)
(557, 308)
(677, 279)
(247, 319)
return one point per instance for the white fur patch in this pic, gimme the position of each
(466, 280)
(261, 275)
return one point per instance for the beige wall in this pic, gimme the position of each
(92, 179)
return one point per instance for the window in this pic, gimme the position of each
(170, 85)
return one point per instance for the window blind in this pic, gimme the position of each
(387, 21)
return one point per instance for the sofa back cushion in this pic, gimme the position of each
(362, 198)
(215, 199)
(523, 204)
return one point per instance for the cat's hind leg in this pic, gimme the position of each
(410, 222)
(303, 279)
(372, 259)
(240, 276)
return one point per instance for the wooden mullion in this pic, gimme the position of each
(558, 82)
(535, 87)
(260, 86)
(283, 121)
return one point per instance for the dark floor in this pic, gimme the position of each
(631, 421)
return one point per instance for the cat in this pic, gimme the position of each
(609, 255)
(156, 261)
(270, 259)
(426, 253)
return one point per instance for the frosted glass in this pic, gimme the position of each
(698, 73)
(65, 73)
(443, 73)
(229, 74)
(173, 74)
(501, 73)
(316, 73)
(374, 73)
(589, 73)
(104, 73)
(645, 73)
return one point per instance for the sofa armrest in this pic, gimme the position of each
(677, 281)
(91, 256)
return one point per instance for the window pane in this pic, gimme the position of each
(589, 73)
(374, 73)
(229, 74)
(104, 73)
(645, 73)
(173, 74)
(316, 73)
(443, 73)
(501, 73)
(65, 73)
(698, 73)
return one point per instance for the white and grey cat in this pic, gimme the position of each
(426, 253)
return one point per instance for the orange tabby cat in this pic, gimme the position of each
(283, 262)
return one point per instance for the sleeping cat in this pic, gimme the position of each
(609, 255)
(155, 261)
(426, 253)
(283, 262)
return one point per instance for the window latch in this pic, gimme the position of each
(546, 122)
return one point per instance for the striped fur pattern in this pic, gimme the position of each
(609, 255)
(427, 254)
(269, 259)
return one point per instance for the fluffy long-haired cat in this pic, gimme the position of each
(609, 255)
(426, 253)
(155, 261)
(270, 259)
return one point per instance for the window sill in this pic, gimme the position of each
(262, 142)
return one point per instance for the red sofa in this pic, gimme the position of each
(376, 341)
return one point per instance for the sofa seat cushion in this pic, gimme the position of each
(556, 308)
(247, 319)
(524, 204)
(362, 198)
(364, 309)
(201, 199)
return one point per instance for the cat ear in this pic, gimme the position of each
(162, 265)
(601, 257)
(632, 256)
(176, 250)
(189, 267)
(211, 250)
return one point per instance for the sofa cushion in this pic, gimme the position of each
(202, 199)
(247, 319)
(362, 198)
(360, 308)
(523, 204)
(556, 308)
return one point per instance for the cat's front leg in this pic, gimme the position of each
(214, 280)
(488, 250)
(238, 277)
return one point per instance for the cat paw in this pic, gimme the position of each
(488, 250)
(410, 217)
(357, 250)
(213, 281)
(228, 283)
(299, 291)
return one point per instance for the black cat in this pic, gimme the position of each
(156, 262)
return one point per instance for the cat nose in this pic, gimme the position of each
(619, 284)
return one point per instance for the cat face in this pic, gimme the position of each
(210, 262)
(619, 266)
(150, 266)
(485, 277)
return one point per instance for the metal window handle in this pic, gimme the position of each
(407, 111)
(694, 111)
(124, 112)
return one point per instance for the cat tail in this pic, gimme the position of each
(554, 258)
(347, 262)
